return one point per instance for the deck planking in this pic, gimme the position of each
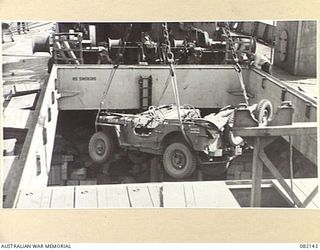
(201, 194)
(154, 191)
(113, 196)
(86, 197)
(139, 196)
(26, 87)
(173, 195)
(22, 102)
(62, 197)
(16, 118)
(35, 198)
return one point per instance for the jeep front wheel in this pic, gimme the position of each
(101, 147)
(178, 160)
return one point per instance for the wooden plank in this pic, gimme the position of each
(62, 197)
(154, 191)
(26, 87)
(35, 198)
(173, 195)
(7, 164)
(139, 196)
(113, 196)
(14, 118)
(214, 194)
(46, 197)
(86, 197)
(9, 146)
(301, 128)
(22, 102)
(29, 199)
(102, 196)
(189, 194)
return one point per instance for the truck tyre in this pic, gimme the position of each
(178, 160)
(263, 112)
(101, 147)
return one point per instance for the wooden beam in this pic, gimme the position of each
(257, 168)
(275, 172)
(301, 128)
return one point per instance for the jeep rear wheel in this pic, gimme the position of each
(178, 160)
(101, 147)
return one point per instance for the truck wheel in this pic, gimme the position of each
(138, 157)
(178, 160)
(101, 147)
(263, 111)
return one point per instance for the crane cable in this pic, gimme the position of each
(112, 73)
(235, 58)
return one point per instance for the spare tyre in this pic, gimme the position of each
(263, 112)
(101, 147)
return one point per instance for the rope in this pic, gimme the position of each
(291, 161)
(105, 92)
(165, 88)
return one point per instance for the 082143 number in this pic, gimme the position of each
(308, 245)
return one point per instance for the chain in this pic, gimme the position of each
(235, 59)
(232, 48)
(169, 57)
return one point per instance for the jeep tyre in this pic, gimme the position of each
(101, 147)
(263, 111)
(178, 160)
